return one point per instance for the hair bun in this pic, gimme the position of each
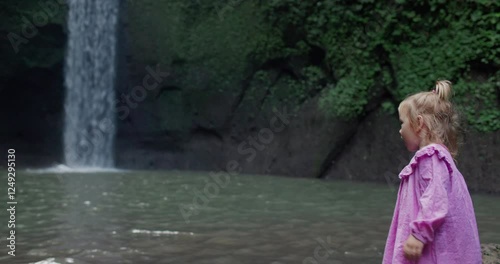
(443, 89)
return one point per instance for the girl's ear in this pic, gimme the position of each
(420, 122)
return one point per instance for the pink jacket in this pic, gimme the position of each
(435, 206)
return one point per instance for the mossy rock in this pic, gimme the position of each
(491, 253)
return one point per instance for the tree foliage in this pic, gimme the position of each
(405, 46)
(347, 52)
(343, 50)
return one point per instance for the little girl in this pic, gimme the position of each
(434, 219)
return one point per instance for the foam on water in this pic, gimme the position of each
(160, 232)
(54, 261)
(66, 169)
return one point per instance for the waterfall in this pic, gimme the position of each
(90, 70)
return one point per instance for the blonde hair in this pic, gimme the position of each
(438, 113)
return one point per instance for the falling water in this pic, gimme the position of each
(89, 78)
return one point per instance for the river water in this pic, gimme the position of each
(182, 217)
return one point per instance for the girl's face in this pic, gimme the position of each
(408, 134)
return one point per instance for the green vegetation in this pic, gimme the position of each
(349, 53)
(404, 46)
(343, 50)
(32, 33)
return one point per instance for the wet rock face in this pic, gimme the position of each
(309, 145)
(32, 106)
(282, 141)
(377, 153)
(491, 253)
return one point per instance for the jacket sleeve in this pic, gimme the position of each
(433, 180)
